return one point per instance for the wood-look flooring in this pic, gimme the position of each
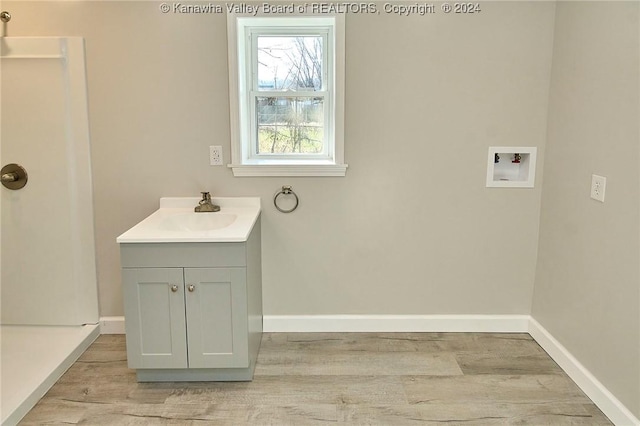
(323, 378)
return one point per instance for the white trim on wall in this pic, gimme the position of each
(111, 325)
(599, 394)
(397, 323)
(373, 323)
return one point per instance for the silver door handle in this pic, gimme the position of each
(191, 287)
(174, 288)
(13, 176)
(10, 177)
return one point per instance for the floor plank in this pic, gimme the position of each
(344, 378)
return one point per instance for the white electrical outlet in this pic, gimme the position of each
(215, 155)
(598, 185)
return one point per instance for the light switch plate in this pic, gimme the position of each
(598, 186)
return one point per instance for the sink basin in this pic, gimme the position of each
(176, 222)
(196, 222)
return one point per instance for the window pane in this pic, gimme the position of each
(290, 63)
(290, 125)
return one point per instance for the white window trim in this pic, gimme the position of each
(241, 164)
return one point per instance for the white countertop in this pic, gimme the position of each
(176, 222)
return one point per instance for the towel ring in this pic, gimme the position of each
(286, 190)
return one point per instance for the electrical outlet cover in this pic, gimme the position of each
(598, 186)
(215, 155)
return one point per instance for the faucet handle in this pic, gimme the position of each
(205, 205)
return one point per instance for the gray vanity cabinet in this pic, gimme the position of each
(154, 314)
(216, 311)
(192, 317)
(193, 311)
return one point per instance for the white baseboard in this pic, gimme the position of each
(595, 390)
(373, 323)
(586, 381)
(396, 323)
(111, 325)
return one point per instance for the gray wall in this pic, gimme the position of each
(411, 229)
(587, 292)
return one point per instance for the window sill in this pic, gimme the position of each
(309, 170)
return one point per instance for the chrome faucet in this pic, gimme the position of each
(205, 205)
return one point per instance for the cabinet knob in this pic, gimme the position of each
(191, 287)
(174, 288)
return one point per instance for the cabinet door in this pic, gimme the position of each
(154, 317)
(216, 300)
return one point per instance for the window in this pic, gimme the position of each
(286, 78)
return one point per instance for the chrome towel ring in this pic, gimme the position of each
(286, 190)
